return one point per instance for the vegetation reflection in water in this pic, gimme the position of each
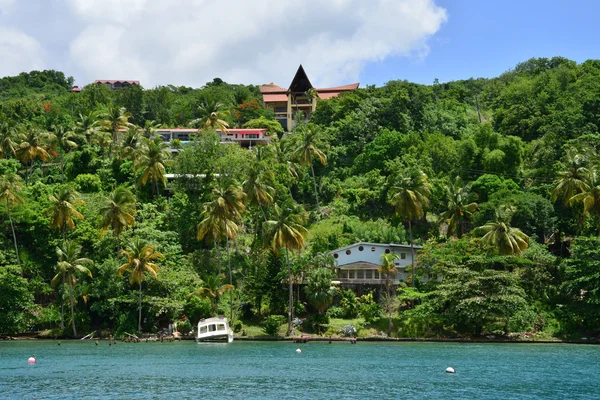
(77, 369)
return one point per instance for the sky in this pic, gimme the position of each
(189, 42)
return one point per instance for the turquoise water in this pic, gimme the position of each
(274, 370)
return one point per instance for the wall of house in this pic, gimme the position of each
(371, 253)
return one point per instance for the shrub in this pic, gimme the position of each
(348, 330)
(197, 308)
(272, 324)
(88, 183)
(335, 312)
(318, 323)
(369, 309)
(184, 327)
(349, 304)
(237, 326)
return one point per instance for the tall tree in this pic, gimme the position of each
(258, 189)
(286, 230)
(500, 235)
(408, 195)
(33, 147)
(62, 209)
(10, 188)
(114, 118)
(212, 288)
(571, 177)
(319, 290)
(10, 135)
(88, 126)
(131, 143)
(307, 146)
(153, 157)
(64, 138)
(211, 114)
(461, 206)
(220, 217)
(589, 194)
(388, 270)
(69, 265)
(141, 258)
(118, 211)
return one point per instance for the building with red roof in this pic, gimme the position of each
(301, 96)
(116, 84)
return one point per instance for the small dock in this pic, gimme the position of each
(308, 338)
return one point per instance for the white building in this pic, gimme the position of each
(359, 263)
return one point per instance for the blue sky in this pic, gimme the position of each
(484, 38)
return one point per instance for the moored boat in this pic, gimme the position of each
(214, 330)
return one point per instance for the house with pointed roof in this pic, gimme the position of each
(359, 263)
(301, 96)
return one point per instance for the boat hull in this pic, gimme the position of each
(224, 338)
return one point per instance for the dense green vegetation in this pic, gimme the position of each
(497, 178)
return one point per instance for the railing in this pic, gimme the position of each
(364, 281)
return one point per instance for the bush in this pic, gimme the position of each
(88, 183)
(318, 323)
(237, 326)
(197, 308)
(184, 327)
(349, 304)
(335, 312)
(348, 330)
(272, 324)
(369, 310)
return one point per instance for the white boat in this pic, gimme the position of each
(214, 330)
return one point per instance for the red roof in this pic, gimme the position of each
(271, 88)
(344, 88)
(115, 81)
(275, 97)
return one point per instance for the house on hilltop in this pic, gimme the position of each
(116, 84)
(359, 263)
(300, 96)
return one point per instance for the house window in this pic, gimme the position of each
(360, 274)
(387, 251)
(343, 274)
(336, 255)
(360, 248)
(375, 274)
(348, 252)
(368, 274)
(373, 248)
(351, 274)
(403, 256)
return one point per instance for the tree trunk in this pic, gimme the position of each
(218, 256)
(412, 255)
(62, 304)
(12, 227)
(140, 309)
(315, 185)
(72, 307)
(291, 293)
(230, 281)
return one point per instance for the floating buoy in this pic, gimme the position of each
(450, 370)
(298, 351)
(31, 360)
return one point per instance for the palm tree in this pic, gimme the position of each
(88, 126)
(131, 143)
(461, 206)
(212, 288)
(32, 148)
(319, 290)
(220, 217)
(118, 211)
(10, 186)
(571, 177)
(9, 137)
(150, 128)
(211, 115)
(388, 270)
(280, 150)
(64, 139)
(114, 119)
(62, 211)
(408, 195)
(257, 186)
(589, 194)
(140, 258)
(306, 147)
(69, 264)
(499, 235)
(286, 229)
(151, 162)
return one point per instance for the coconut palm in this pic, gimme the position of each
(150, 128)
(88, 126)
(62, 210)
(32, 147)
(212, 288)
(118, 211)
(220, 217)
(388, 271)
(114, 118)
(257, 187)
(281, 151)
(286, 230)
(211, 115)
(69, 265)
(141, 258)
(10, 135)
(307, 145)
(571, 178)
(131, 143)
(10, 187)
(319, 290)
(589, 194)
(408, 196)
(64, 138)
(499, 235)
(461, 206)
(151, 162)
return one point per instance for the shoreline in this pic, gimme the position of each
(591, 341)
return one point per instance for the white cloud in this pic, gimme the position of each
(189, 42)
(19, 52)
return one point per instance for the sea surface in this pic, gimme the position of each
(274, 370)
